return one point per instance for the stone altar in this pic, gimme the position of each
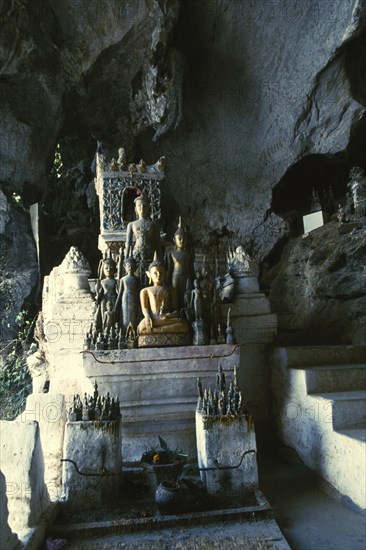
(98, 483)
(157, 390)
(255, 328)
(156, 386)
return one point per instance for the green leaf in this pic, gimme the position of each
(163, 444)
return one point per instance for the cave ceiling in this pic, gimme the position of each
(235, 94)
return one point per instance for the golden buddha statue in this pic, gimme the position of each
(161, 325)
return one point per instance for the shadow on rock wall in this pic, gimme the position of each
(266, 84)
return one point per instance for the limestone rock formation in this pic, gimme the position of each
(95, 59)
(7, 538)
(232, 93)
(268, 83)
(318, 288)
(18, 265)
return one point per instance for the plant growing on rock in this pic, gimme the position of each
(162, 454)
(15, 380)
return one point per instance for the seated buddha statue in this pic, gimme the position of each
(161, 325)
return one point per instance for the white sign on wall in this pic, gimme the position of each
(312, 221)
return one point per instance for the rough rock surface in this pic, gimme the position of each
(23, 470)
(80, 69)
(7, 538)
(318, 288)
(49, 410)
(61, 57)
(266, 84)
(18, 265)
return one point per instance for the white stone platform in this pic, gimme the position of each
(157, 389)
(255, 328)
(320, 409)
(227, 455)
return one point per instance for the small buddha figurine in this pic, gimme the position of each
(230, 338)
(90, 408)
(85, 410)
(143, 236)
(196, 300)
(127, 304)
(220, 379)
(121, 340)
(220, 336)
(132, 168)
(130, 337)
(108, 319)
(207, 287)
(78, 407)
(113, 339)
(95, 393)
(100, 344)
(180, 264)
(121, 161)
(106, 290)
(141, 167)
(159, 304)
(222, 404)
(186, 312)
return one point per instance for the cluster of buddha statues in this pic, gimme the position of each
(121, 164)
(94, 407)
(224, 400)
(146, 298)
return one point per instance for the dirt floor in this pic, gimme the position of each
(308, 515)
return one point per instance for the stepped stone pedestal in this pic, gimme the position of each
(68, 311)
(22, 466)
(8, 539)
(93, 480)
(227, 457)
(157, 389)
(320, 408)
(255, 328)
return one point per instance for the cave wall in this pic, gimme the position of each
(265, 86)
(67, 69)
(317, 288)
(232, 92)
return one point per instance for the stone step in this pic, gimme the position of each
(333, 378)
(124, 525)
(346, 408)
(356, 431)
(307, 356)
(324, 417)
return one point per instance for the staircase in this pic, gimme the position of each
(320, 409)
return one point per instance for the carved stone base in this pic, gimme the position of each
(163, 340)
(157, 388)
